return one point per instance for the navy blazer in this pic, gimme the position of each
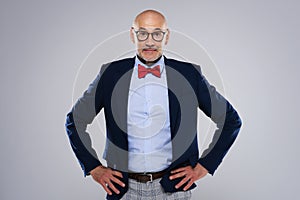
(188, 90)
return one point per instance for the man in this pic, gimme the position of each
(150, 105)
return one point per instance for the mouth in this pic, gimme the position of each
(148, 50)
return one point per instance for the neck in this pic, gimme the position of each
(148, 63)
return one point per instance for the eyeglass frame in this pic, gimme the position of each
(158, 30)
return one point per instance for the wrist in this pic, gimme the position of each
(95, 169)
(200, 167)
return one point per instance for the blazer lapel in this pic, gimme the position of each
(120, 75)
(182, 107)
(173, 91)
(119, 101)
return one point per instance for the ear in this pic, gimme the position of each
(167, 37)
(132, 34)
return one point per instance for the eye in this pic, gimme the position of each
(143, 33)
(157, 34)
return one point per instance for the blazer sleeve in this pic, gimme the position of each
(226, 118)
(83, 113)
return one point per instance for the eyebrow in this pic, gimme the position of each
(156, 29)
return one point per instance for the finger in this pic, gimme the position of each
(190, 183)
(119, 174)
(183, 181)
(107, 190)
(111, 186)
(178, 170)
(117, 181)
(178, 175)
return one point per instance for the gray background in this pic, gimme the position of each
(255, 45)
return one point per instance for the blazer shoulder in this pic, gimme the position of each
(117, 65)
(122, 61)
(183, 66)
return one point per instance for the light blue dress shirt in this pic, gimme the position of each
(149, 135)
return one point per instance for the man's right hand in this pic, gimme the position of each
(105, 176)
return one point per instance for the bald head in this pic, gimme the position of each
(149, 33)
(150, 18)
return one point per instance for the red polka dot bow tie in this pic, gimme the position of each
(142, 71)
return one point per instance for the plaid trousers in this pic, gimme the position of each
(152, 191)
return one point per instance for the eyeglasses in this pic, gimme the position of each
(157, 36)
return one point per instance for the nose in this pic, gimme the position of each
(150, 41)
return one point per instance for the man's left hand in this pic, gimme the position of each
(189, 174)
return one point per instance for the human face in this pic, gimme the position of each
(149, 49)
